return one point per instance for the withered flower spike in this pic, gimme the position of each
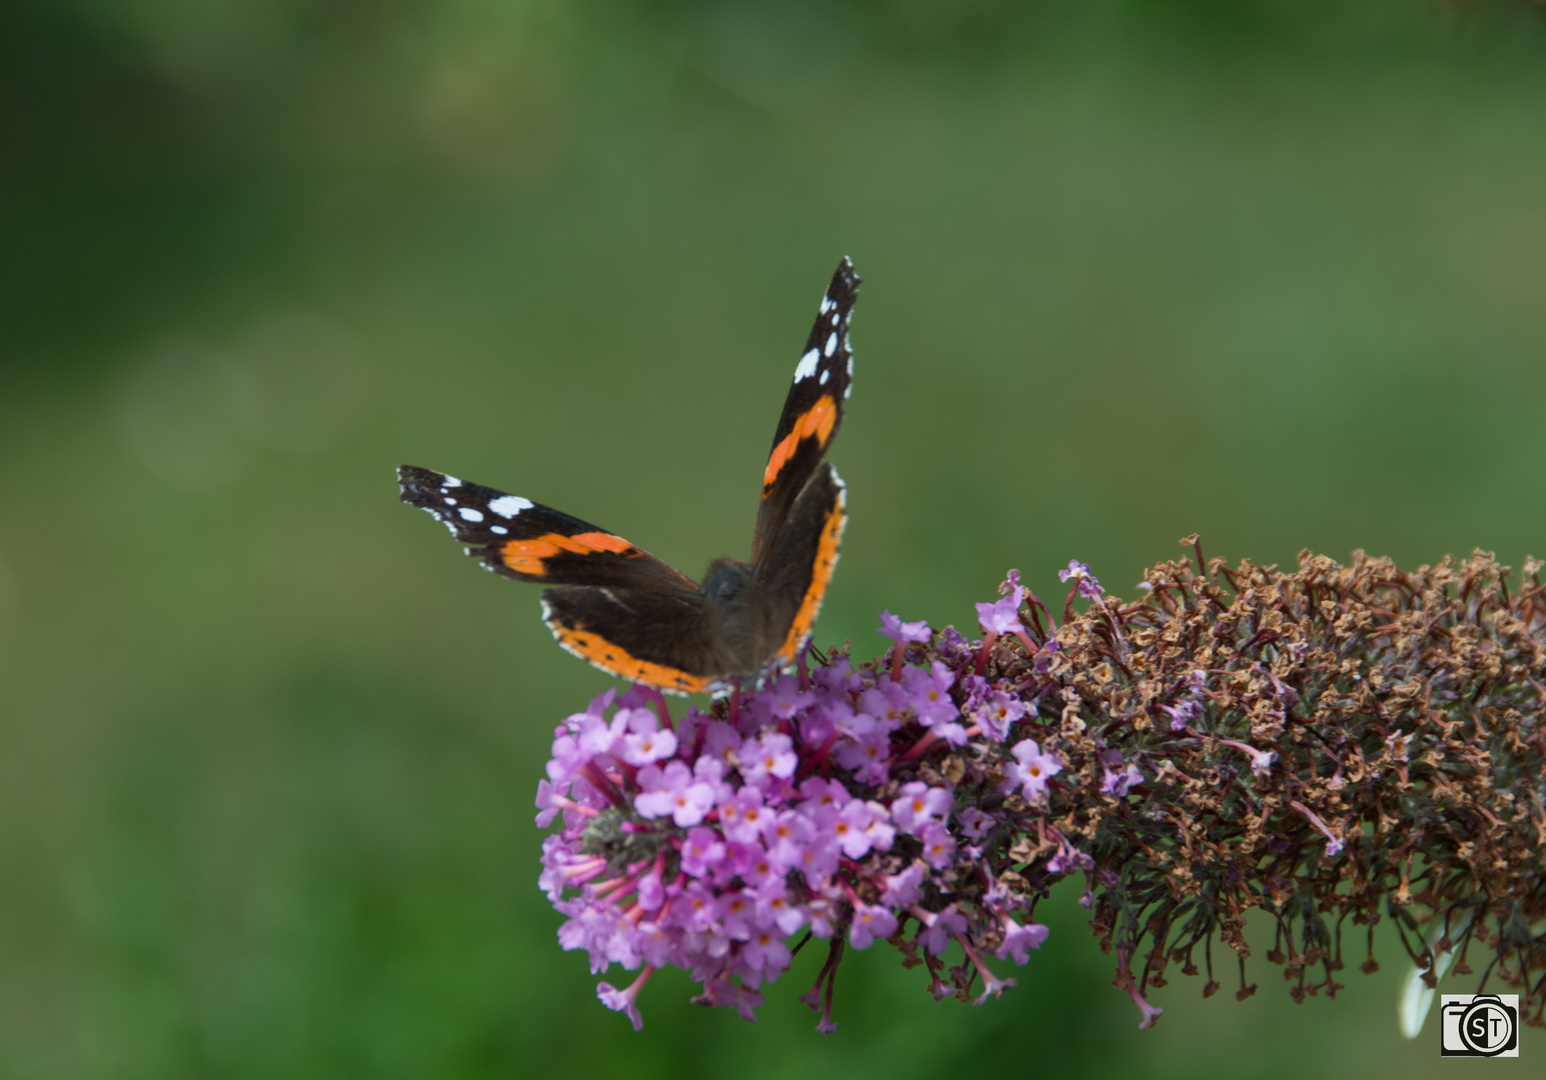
(1408, 716)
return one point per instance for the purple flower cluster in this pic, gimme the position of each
(806, 807)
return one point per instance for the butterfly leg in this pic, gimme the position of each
(733, 712)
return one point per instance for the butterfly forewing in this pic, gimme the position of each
(813, 409)
(531, 542)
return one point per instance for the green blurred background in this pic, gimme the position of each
(1270, 271)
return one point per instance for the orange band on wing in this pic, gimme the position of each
(616, 661)
(526, 556)
(826, 562)
(818, 421)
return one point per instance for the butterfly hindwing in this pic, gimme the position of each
(812, 411)
(531, 542)
(800, 562)
(658, 638)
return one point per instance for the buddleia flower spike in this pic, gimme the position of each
(1340, 746)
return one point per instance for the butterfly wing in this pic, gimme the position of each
(801, 559)
(812, 411)
(617, 606)
(531, 542)
(645, 636)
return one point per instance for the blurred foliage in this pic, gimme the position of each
(1265, 270)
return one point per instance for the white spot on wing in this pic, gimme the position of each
(807, 366)
(449, 501)
(450, 482)
(826, 304)
(509, 505)
(500, 529)
(835, 318)
(831, 343)
(823, 379)
(469, 514)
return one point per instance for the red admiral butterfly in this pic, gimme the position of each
(641, 619)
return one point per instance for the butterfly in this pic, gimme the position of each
(641, 619)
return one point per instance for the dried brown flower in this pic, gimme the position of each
(1335, 742)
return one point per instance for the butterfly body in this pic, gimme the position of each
(639, 618)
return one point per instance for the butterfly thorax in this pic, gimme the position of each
(736, 607)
